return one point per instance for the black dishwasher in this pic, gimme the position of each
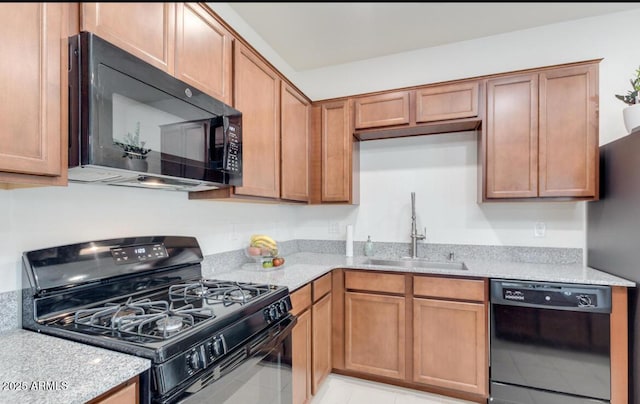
(550, 343)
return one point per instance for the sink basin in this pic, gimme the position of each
(411, 263)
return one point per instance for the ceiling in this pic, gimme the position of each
(314, 35)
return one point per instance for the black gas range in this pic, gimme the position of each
(146, 296)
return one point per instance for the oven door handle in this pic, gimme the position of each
(245, 358)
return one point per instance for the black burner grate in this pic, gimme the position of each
(158, 319)
(217, 292)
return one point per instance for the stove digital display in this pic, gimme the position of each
(139, 253)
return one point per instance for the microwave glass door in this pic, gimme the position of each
(136, 132)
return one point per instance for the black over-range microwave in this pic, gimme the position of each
(131, 124)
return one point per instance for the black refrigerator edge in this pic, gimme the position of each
(613, 232)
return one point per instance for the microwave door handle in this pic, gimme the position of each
(225, 142)
(218, 147)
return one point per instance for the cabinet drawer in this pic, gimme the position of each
(449, 288)
(375, 282)
(382, 110)
(301, 299)
(321, 286)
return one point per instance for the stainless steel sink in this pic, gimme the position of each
(413, 263)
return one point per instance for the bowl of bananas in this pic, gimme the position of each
(264, 250)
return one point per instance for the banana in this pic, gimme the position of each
(257, 236)
(261, 240)
(265, 245)
(265, 242)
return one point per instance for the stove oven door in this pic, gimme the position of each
(258, 373)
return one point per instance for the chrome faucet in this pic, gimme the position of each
(414, 232)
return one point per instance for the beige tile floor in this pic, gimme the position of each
(338, 389)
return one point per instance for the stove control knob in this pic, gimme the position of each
(269, 314)
(283, 307)
(273, 313)
(584, 301)
(217, 347)
(194, 361)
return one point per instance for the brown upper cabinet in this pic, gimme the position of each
(143, 29)
(257, 95)
(294, 140)
(542, 134)
(33, 84)
(182, 39)
(382, 110)
(424, 110)
(335, 153)
(452, 101)
(203, 51)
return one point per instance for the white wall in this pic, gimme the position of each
(36, 218)
(440, 168)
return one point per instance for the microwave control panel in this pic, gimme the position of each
(233, 148)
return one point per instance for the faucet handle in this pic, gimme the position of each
(423, 235)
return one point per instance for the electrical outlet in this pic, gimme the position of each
(334, 227)
(540, 229)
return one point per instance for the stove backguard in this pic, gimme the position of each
(62, 267)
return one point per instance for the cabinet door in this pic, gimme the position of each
(301, 340)
(336, 152)
(257, 96)
(143, 29)
(294, 141)
(569, 131)
(451, 101)
(512, 137)
(33, 88)
(450, 345)
(126, 393)
(321, 316)
(203, 54)
(382, 110)
(375, 334)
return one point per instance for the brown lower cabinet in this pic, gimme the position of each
(301, 340)
(418, 331)
(375, 323)
(451, 354)
(312, 354)
(375, 334)
(321, 341)
(125, 393)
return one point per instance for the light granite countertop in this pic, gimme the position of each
(303, 267)
(38, 368)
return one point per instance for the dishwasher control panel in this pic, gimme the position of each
(552, 295)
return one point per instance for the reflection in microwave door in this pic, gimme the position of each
(132, 147)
